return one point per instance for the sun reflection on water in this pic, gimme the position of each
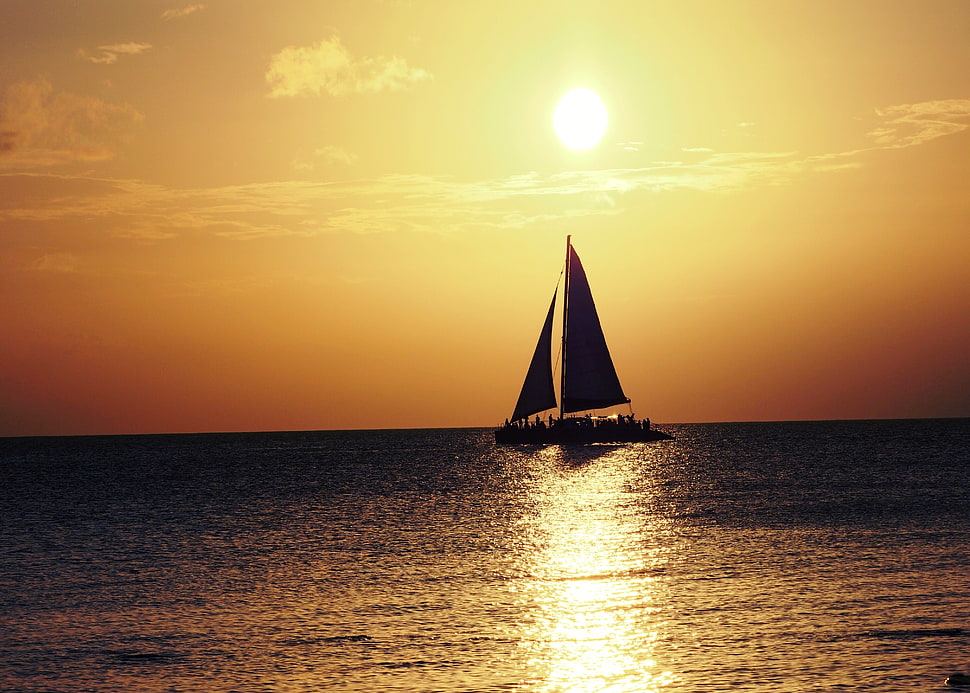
(595, 577)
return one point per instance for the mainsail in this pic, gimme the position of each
(589, 377)
(538, 393)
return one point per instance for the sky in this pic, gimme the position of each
(297, 215)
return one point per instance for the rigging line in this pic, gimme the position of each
(555, 363)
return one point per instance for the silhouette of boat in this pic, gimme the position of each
(588, 379)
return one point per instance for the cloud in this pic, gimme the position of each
(176, 13)
(415, 203)
(64, 263)
(143, 212)
(329, 67)
(107, 55)
(40, 127)
(909, 125)
(335, 155)
(329, 155)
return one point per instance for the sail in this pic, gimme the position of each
(590, 380)
(537, 390)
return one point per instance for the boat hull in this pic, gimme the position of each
(550, 436)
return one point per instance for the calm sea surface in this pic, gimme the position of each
(830, 556)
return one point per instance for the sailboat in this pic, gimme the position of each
(588, 379)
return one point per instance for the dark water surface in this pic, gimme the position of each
(825, 556)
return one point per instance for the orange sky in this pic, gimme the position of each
(243, 215)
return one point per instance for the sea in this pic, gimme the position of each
(800, 556)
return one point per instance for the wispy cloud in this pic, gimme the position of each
(325, 156)
(64, 263)
(107, 55)
(413, 203)
(176, 13)
(909, 125)
(328, 67)
(40, 127)
(134, 209)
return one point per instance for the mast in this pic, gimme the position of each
(565, 314)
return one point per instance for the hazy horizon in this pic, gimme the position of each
(487, 427)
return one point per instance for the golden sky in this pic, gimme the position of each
(249, 215)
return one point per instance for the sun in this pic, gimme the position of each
(580, 119)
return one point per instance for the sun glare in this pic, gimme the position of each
(580, 119)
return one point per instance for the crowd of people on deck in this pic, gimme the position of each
(587, 422)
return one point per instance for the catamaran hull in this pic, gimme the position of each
(550, 436)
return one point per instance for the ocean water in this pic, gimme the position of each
(824, 556)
